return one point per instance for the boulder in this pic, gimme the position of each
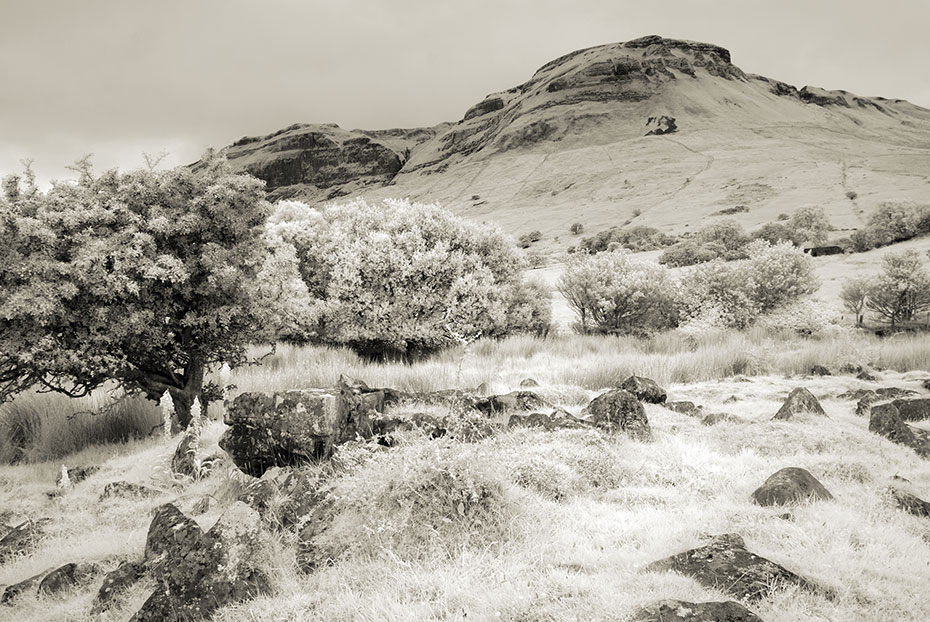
(557, 419)
(790, 485)
(799, 401)
(685, 408)
(682, 611)
(725, 564)
(115, 583)
(819, 370)
(864, 405)
(894, 392)
(198, 575)
(885, 421)
(528, 383)
(67, 576)
(917, 409)
(27, 586)
(22, 538)
(515, 400)
(645, 389)
(715, 418)
(909, 502)
(663, 124)
(170, 535)
(295, 427)
(184, 461)
(618, 410)
(867, 376)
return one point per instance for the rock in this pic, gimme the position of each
(385, 426)
(67, 576)
(885, 421)
(22, 538)
(908, 502)
(115, 583)
(515, 400)
(125, 490)
(715, 418)
(732, 399)
(644, 389)
(295, 427)
(197, 575)
(491, 104)
(867, 376)
(790, 485)
(913, 409)
(656, 126)
(864, 405)
(618, 410)
(851, 368)
(283, 498)
(894, 392)
(799, 401)
(75, 474)
(819, 370)
(203, 505)
(558, 419)
(725, 564)
(685, 408)
(184, 461)
(27, 586)
(856, 394)
(310, 555)
(528, 382)
(682, 611)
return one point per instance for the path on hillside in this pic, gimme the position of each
(708, 161)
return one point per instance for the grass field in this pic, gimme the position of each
(563, 522)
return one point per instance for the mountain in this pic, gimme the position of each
(653, 131)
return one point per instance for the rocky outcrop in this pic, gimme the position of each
(682, 611)
(619, 411)
(913, 409)
(645, 389)
(885, 421)
(790, 485)
(656, 126)
(799, 401)
(491, 104)
(725, 564)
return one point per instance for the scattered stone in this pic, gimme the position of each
(819, 370)
(894, 392)
(913, 409)
(295, 427)
(790, 485)
(515, 400)
(26, 586)
(725, 564)
(619, 410)
(908, 502)
(715, 418)
(867, 376)
(685, 408)
(23, 538)
(184, 460)
(115, 583)
(732, 399)
(885, 421)
(126, 490)
(385, 426)
(558, 419)
(67, 576)
(645, 389)
(197, 575)
(682, 611)
(864, 405)
(75, 475)
(283, 498)
(851, 368)
(799, 401)
(788, 516)
(528, 382)
(856, 394)
(310, 555)
(171, 534)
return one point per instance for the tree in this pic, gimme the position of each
(400, 280)
(853, 295)
(809, 226)
(902, 290)
(615, 294)
(144, 278)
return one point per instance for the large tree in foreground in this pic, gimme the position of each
(902, 290)
(145, 278)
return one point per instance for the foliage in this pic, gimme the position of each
(529, 238)
(639, 238)
(809, 226)
(854, 294)
(616, 294)
(902, 290)
(891, 223)
(576, 228)
(803, 316)
(146, 278)
(722, 240)
(395, 279)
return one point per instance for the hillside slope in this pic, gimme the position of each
(571, 145)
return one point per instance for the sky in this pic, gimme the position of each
(119, 78)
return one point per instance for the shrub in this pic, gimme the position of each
(723, 240)
(529, 238)
(613, 293)
(809, 226)
(774, 233)
(640, 238)
(851, 195)
(576, 228)
(902, 290)
(891, 223)
(395, 279)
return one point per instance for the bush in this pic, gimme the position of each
(636, 239)
(529, 238)
(615, 294)
(809, 226)
(902, 290)
(400, 280)
(892, 223)
(723, 240)
(576, 228)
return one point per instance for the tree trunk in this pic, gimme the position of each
(183, 398)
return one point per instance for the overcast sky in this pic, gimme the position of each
(122, 77)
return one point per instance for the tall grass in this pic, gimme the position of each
(37, 427)
(592, 362)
